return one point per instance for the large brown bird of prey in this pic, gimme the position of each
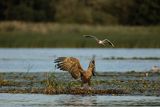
(101, 42)
(72, 65)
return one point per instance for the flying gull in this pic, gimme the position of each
(101, 42)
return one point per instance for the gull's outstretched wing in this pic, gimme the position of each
(91, 36)
(70, 64)
(108, 42)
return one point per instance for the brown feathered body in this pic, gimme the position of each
(72, 65)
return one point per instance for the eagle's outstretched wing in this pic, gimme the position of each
(70, 64)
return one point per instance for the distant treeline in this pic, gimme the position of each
(104, 12)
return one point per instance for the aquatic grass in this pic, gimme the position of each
(111, 83)
(9, 83)
(6, 83)
(22, 34)
(80, 91)
(73, 87)
(52, 86)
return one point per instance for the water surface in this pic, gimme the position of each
(39, 100)
(42, 59)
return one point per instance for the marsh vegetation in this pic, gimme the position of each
(129, 83)
(22, 34)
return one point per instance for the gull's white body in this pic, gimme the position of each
(100, 42)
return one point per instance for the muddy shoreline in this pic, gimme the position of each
(111, 83)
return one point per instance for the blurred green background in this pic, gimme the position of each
(61, 23)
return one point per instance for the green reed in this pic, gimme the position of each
(53, 35)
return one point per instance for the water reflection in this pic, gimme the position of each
(39, 100)
(77, 100)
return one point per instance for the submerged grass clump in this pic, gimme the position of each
(51, 85)
(7, 83)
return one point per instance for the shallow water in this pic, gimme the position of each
(39, 100)
(42, 59)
